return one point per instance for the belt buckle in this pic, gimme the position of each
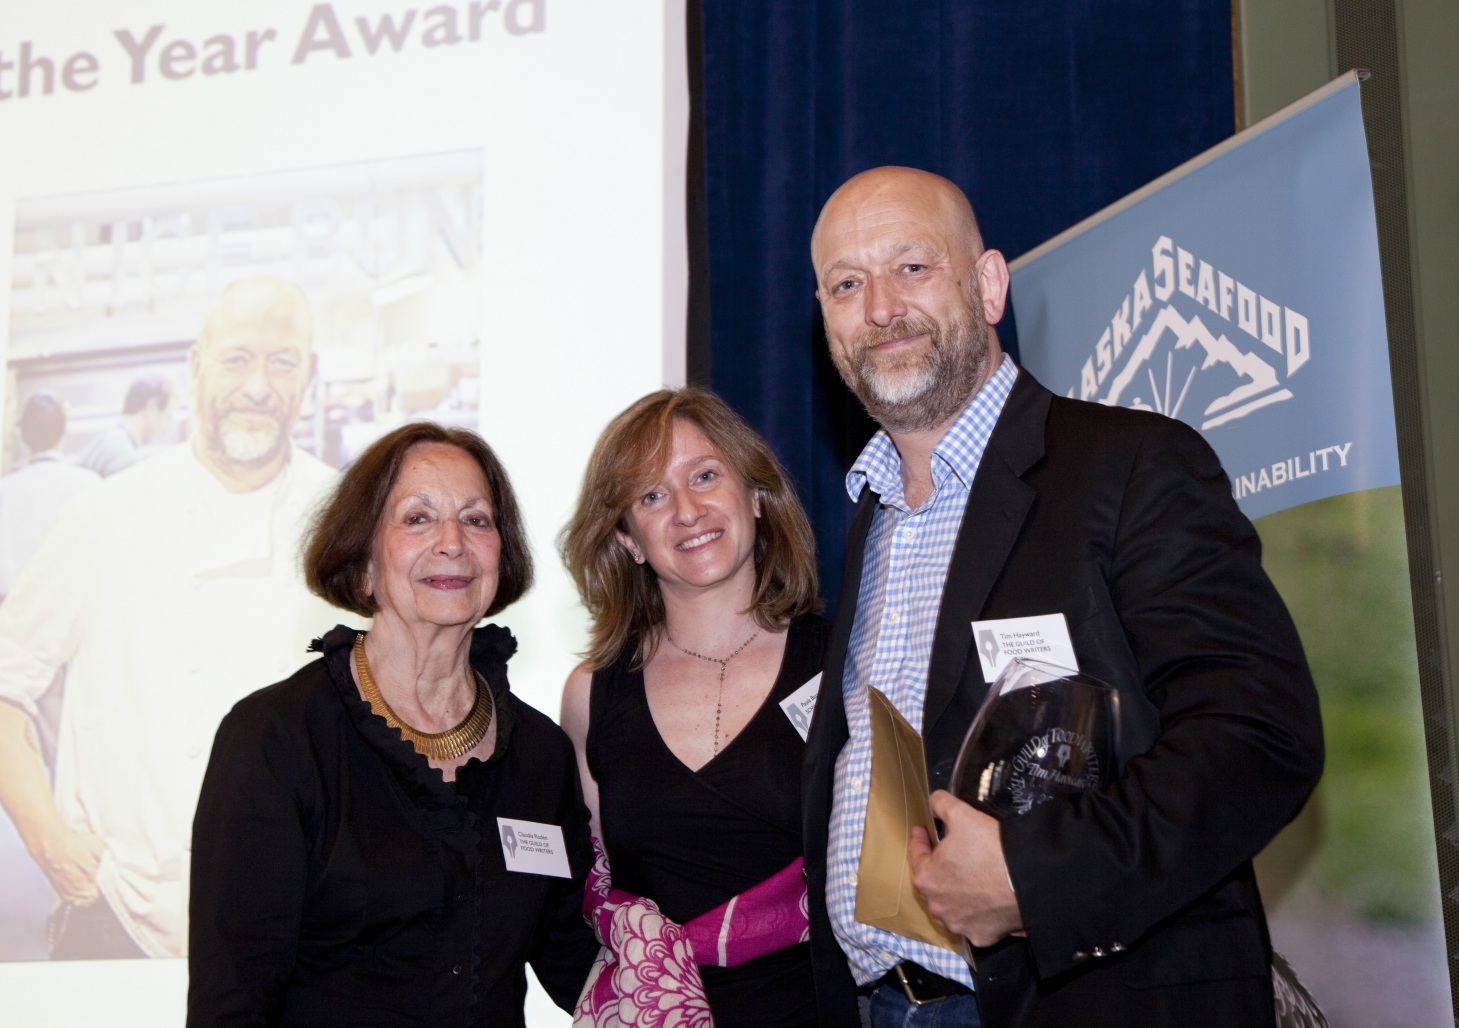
(907, 986)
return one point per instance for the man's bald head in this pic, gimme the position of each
(270, 304)
(878, 189)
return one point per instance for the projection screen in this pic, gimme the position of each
(482, 202)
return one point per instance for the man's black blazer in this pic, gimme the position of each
(1139, 903)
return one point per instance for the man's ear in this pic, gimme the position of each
(990, 275)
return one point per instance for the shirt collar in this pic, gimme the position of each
(958, 451)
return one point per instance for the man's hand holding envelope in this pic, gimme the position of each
(963, 879)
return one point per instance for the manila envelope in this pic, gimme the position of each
(885, 897)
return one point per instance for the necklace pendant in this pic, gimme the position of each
(723, 663)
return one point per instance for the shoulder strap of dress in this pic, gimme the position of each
(605, 681)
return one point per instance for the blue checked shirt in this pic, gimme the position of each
(905, 566)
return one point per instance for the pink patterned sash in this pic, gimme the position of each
(647, 973)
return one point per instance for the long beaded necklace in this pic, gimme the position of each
(447, 745)
(723, 663)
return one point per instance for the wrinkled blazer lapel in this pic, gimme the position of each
(997, 506)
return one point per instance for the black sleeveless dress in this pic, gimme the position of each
(690, 840)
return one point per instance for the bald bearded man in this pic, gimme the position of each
(985, 496)
(169, 591)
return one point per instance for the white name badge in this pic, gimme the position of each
(533, 848)
(800, 706)
(1042, 637)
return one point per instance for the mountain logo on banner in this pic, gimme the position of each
(1188, 337)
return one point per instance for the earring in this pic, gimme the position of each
(637, 557)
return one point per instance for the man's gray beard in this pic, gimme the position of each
(915, 399)
(244, 448)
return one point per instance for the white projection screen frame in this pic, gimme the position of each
(483, 202)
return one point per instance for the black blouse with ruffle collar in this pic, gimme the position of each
(339, 879)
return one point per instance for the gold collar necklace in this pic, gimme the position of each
(447, 745)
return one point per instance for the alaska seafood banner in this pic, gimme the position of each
(1241, 293)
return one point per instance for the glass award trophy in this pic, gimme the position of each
(1043, 731)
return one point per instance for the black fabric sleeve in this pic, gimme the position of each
(1240, 739)
(564, 947)
(249, 872)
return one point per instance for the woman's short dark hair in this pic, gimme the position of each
(340, 541)
(622, 597)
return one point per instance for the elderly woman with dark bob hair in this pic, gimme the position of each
(697, 565)
(361, 845)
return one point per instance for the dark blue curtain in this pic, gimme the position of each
(1042, 112)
